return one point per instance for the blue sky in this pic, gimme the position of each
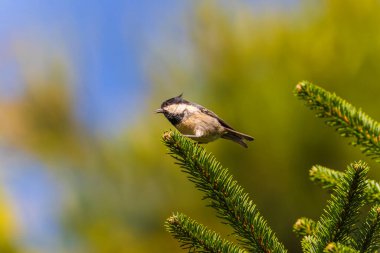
(103, 43)
(35, 196)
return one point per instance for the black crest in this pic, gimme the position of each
(175, 100)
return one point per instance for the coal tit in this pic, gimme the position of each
(198, 123)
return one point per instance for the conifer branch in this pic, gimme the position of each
(329, 178)
(309, 244)
(340, 215)
(325, 177)
(348, 120)
(369, 234)
(197, 238)
(338, 248)
(225, 195)
(304, 226)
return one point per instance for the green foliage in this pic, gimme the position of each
(335, 231)
(329, 178)
(225, 195)
(338, 248)
(197, 238)
(304, 226)
(369, 234)
(348, 120)
(338, 220)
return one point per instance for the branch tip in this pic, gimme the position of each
(172, 219)
(298, 224)
(360, 165)
(300, 86)
(330, 247)
(167, 136)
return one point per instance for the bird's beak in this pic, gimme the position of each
(159, 110)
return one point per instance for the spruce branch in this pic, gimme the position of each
(226, 196)
(309, 244)
(369, 234)
(197, 238)
(348, 120)
(304, 226)
(338, 220)
(329, 178)
(338, 248)
(325, 177)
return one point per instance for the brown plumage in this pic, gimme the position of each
(199, 123)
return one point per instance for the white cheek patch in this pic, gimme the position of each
(191, 108)
(179, 108)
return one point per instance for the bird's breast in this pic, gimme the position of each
(209, 126)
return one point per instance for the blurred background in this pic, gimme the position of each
(82, 166)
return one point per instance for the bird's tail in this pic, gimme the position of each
(237, 137)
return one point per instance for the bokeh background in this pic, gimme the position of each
(82, 166)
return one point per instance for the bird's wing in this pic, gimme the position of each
(212, 114)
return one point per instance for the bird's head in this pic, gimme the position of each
(175, 109)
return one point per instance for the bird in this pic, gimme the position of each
(198, 123)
